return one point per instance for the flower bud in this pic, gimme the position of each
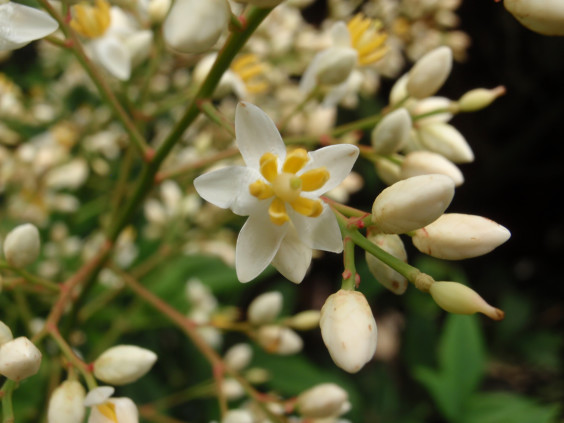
(429, 73)
(460, 299)
(388, 171)
(304, 320)
(232, 389)
(444, 139)
(5, 333)
(479, 98)
(426, 163)
(66, 404)
(455, 236)
(392, 132)
(238, 416)
(334, 65)
(265, 308)
(544, 17)
(383, 273)
(194, 26)
(21, 246)
(19, 359)
(279, 340)
(412, 203)
(123, 364)
(348, 329)
(322, 401)
(157, 10)
(238, 356)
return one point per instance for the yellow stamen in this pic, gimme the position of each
(251, 71)
(242, 61)
(91, 21)
(277, 212)
(108, 410)
(269, 166)
(366, 39)
(295, 160)
(314, 179)
(261, 190)
(307, 206)
(256, 87)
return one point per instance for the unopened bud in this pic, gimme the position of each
(447, 141)
(412, 203)
(544, 17)
(392, 132)
(430, 73)
(334, 65)
(426, 163)
(21, 246)
(238, 416)
(455, 236)
(66, 404)
(460, 299)
(479, 98)
(123, 364)
(5, 333)
(348, 329)
(238, 356)
(157, 10)
(388, 171)
(19, 359)
(383, 273)
(279, 340)
(322, 401)
(257, 375)
(304, 320)
(232, 389)
(265, 308)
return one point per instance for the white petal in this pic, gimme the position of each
(256, 134)
(338, 159)
(321, 232)
(21, 24)
(113, 55)
(340, 35)
(293, 257)
(257, 245)
(229, 188)
(98, 395)
(126, 410)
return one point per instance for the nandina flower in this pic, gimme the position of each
(106, 409)
(279, 191)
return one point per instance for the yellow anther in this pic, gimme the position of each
(277, 212)
(91, 21)
(108, 410)
(269, 166)
(256, 87)
(307, 206)
(242, 61)
(366, 39)
(261, 190)
(251, 71)
(295, 160)
(314, 179)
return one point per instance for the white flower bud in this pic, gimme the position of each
(412, 203)
(445, 140)
(381, 271)
(279, 340)
(19, 359)
(392, 132)
(123, 364)
(5, 333)
(21, 246)
(430, 73)
(232, 389)
(157, 10)
(335, 64)
(455, 236)
(348, 329)
(460, 299)
(238, 416)
(305, 320)
(544, 17)
(322, 401)
(479, 98)
(265, 308)
(238, 356)
(194, 26)
(66, 404)
(388, 171)
(426, 163)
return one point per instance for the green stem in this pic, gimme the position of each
(349, 275)
(51, 286)
(7, 406)
(216, 117)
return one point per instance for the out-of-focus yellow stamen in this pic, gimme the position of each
(91, 21)
(249, 68)
(261, 190)
(307, 206)
(367, 39)
(269, 166)
(295, 160)
(314, 179)
(108, 410)
(277, 212)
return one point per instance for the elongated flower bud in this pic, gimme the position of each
(348, 329)
(238, 356)
(455, 236)
(123, 364)
(426, 163)
(460, 299)
(5, 333)
(279, 340)
(21, 246)
(447, 141)
(238, 416)
(412, 203)
(544, 17)
(479, 98)
(304, 320)
(19, 359)
(430, 73)
(383, 273)
(322, 401)
(67, 403)
(392, 132)
(265, 308)
(194, 26)
(335, 65)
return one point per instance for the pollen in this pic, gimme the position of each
(108, 410)
(367, 39)
(91, 21)
(252, 72)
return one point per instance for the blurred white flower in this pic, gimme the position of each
(110, 410)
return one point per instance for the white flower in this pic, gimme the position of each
(19, 25)
(110, 410)
(279, 191)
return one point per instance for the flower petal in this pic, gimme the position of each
(21, 24)
(229, 188)
(126, 410)
(293, 257)
(340, 35)
(338, 159)
(98, 395)
(321, 232)
(257, 244)
(113, 55)
(256, 134)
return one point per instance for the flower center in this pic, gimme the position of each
(251, 71)
(91, 21)
(286, 186)
(367, 39)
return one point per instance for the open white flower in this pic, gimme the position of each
(106, 409)
(279, 191)
(20, 25)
